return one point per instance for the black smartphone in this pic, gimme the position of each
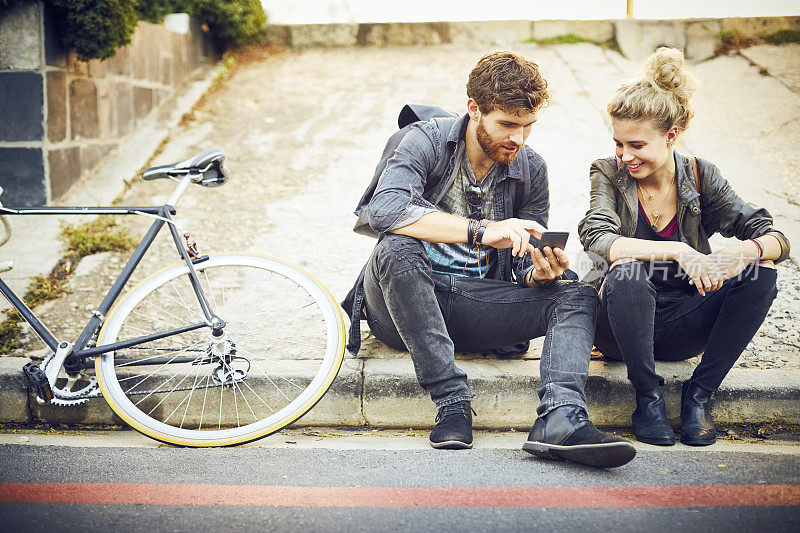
(554, 239)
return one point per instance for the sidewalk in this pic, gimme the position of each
(302, 133)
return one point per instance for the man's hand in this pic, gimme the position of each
(548, 265)
(513, 233)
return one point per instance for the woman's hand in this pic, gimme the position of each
(732, 260)
(702, 270)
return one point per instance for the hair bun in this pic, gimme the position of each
(666, 69)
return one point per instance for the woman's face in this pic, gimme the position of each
(642, 148)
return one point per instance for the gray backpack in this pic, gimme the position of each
(410, 114)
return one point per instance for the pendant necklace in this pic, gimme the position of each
(655, 214)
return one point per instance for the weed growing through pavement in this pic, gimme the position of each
(572, 38)
(729, 41)
(99, 235)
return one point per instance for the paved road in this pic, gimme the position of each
(386, 481)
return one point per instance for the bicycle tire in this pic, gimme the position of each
(245, 290)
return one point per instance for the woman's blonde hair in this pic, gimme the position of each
(661, 95)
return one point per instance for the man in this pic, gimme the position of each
(441, 276)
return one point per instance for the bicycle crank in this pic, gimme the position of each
(66, 396)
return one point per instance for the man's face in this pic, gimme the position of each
(501, 134)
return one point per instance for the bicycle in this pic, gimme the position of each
(215, 350)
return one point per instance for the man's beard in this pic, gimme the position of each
(493, 150)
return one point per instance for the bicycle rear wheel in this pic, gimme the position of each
(281, 348)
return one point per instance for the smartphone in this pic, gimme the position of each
(554, 239)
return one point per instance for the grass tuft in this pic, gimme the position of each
(99, 235)
(783, 37)
(573, 38)
(729, 41)
(10, 331)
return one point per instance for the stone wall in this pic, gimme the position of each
(59, 116)
(636, 38)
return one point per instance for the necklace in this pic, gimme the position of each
(655, 214)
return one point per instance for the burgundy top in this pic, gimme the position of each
(670, 230)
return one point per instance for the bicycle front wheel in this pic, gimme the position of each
(280, 349)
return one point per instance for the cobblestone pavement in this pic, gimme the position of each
(303, 130)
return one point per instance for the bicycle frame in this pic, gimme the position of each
(81, 349)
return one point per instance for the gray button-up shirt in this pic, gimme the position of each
(400, 198)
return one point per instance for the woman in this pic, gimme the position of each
(667, 296)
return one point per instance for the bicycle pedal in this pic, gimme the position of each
(38, 380)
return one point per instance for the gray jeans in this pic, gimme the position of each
(432, 315)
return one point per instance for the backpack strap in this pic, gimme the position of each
(445, 124)
(522, 192)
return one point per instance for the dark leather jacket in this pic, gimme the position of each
(614, 205)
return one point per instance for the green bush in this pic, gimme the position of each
(95, 29)
(233, 23)
(230, 22)
(155, 10)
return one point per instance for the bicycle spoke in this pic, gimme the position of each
(189, 400)
(277, 362)
(170, 392)
(156, 370)
(209, 289)
(185, 398)
(177, 354)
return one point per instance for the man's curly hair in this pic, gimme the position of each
(507, 81)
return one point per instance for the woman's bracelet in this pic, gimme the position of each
(760, 248)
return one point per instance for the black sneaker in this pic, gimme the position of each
(453, 429)
(566, 433)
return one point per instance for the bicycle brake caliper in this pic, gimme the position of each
(191, 249)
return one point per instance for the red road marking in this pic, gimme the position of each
(403, 497)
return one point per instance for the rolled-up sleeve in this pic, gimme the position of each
(601, 225)
(398, 200)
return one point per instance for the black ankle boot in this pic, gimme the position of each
(650, 421)
(566, 433)
(697, 425)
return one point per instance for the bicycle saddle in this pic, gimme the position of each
(205, 169)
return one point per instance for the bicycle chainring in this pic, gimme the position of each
(69, 397)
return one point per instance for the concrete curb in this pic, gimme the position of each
(384, 393)
(636, 38)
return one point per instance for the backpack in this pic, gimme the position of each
(409, 115)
